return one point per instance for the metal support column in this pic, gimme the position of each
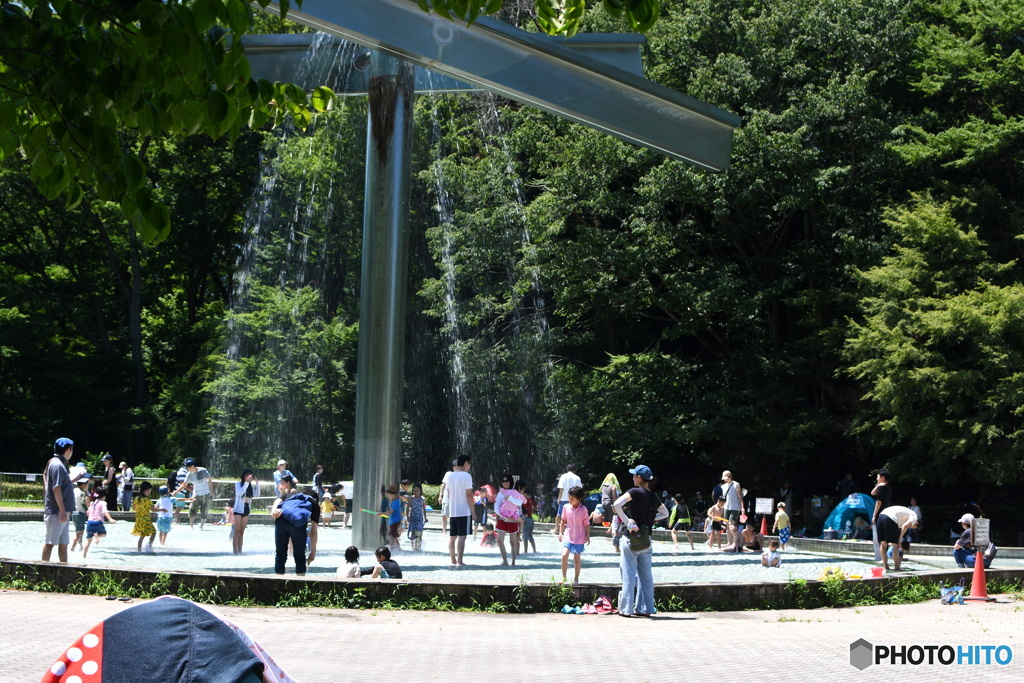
(382, 304)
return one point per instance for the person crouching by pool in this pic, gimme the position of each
(386, 568)
(246, 488)
(893, 523)
(292, 511)
(574, 524)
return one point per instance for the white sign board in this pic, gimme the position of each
(30, 477)
(980, 531)
(764, 506)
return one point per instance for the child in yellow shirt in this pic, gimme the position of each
(326, 510)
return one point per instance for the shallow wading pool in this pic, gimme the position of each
(209, 550)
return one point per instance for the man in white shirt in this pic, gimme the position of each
(459, 489)
(199, 479)
(566, 482)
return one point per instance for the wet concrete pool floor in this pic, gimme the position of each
(209, 550)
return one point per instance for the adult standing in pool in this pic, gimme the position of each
(199, 479)
(318, 481)
(882, 493)
(246, 488)
(734, 506)
(636, 555)
(508, 510)
(460, 501)
(58, 500)
(110, 482)
(128, 485)
(282, 470)
(290, 529)
(566, 482)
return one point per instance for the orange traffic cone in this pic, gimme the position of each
(979, 588)
(764, 526)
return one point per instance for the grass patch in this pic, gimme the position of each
(800, 594)
(560, 593)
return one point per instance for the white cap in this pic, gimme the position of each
(281, 462)
(967, 519)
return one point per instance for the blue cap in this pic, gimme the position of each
(162, 490)
(643, 471)
(107, 456)
(189, 462)
(62, 443)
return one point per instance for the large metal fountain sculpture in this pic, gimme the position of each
(594, 80)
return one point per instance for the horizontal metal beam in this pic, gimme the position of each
(536, 71)
(310, 60)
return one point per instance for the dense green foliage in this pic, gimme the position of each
(845, 296)
(72, 73)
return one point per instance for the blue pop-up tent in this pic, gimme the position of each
(849, 508)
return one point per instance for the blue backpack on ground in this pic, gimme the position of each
(297, 509)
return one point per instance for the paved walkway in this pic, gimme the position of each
(374, 645)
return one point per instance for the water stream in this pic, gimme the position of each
(284, 387)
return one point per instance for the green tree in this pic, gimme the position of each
(554, 17)
(73, 73)
(713, 305)
(964, 128)
(276, 394)
(940, 350)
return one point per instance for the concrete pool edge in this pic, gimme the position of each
(228, 586)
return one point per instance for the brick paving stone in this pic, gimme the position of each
(375, 645)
